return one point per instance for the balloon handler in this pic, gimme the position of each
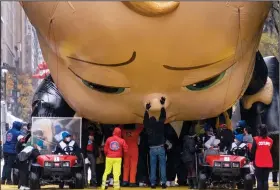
(156, 141)
(26, 154)
(131, 135)
(113, 150)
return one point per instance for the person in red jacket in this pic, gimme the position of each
(113, 150)
(131, 135)
(262, 157)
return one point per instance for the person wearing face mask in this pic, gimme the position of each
(68, 146)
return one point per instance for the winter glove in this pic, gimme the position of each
(87, 161)
(162, 100)
(169, 144)
(148, 106)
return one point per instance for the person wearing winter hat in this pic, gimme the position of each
(68, 146)
(113, 149)
(241, 123)
(58, 132)
(9, 150)
(238, 147)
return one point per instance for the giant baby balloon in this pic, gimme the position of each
(108, 59)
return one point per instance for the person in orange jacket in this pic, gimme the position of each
(131, 135)
(113, 150)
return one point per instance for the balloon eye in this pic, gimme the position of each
(206, 83)
(104, 89)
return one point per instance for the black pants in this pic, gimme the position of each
(23, 173)
(172, 164)
(142, 167)
(92, 166)
(9, 160)
(275, 176)
(181, 174)
(262, 175)
(99, 173)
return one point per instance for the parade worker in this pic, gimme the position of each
(113, 150)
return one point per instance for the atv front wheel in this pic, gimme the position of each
(15, 176)
(79, 181)
(202, 181)
(248, 182)
(34, 181)
(61, 185)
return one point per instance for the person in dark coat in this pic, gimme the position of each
(25, 155)
(92, 153)
(226, 136)
(173, 154)
(142, 167)
(100, 160)
(181, 172)
(189, 156)
(156, 142)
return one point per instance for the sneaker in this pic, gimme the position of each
(153, 186)
(168, 183)
(133, 185)
(24, 188)
(163, 186)
(124, 184)
(3, 182)
(172, 184)
(111, 182)
(9, 183)
(275, 184)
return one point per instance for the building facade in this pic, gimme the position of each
(20, 50)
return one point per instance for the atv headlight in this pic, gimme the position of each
(48, 164)
(235, 165)
(217, 164)
(66, 164)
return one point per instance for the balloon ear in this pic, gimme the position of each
(259, 77)
(264, 95)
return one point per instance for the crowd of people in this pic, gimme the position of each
(148, 154)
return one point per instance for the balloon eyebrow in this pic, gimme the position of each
(132, 58)
(195, 67)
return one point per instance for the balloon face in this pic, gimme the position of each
(109, 59)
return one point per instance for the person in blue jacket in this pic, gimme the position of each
(9, 150)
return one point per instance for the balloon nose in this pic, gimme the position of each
(154, 100)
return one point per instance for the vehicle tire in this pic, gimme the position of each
(240, 186)
(61, 185)
(15, 176)
(79, 181)
(34, 181)
(248, 182)
(71, 186)
(202, 181)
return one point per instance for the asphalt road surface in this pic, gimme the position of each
(12, 187)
